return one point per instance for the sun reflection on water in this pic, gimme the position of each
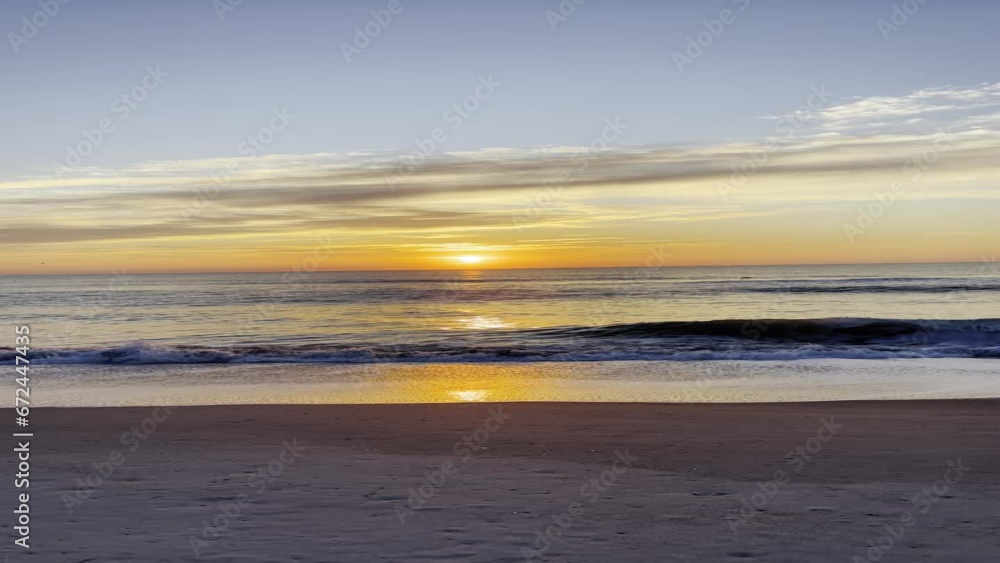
(483, 322)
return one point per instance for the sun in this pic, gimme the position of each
(470, 258)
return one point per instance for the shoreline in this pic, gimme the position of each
(527, 402)
(634, 382)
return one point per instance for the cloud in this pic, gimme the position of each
(938, 106)
(482, 190)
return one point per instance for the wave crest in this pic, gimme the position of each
(728, 339)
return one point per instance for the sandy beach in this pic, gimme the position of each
(492, 482)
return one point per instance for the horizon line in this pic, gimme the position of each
(123, 272)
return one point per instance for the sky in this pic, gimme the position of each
(228, 135)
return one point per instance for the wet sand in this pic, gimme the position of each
(508, 481)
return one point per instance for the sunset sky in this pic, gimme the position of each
(248, 142)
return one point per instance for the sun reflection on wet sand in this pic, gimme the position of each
(463, 383)
(515, 382)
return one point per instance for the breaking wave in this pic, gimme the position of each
(730, 339)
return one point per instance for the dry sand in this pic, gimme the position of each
(332, 483)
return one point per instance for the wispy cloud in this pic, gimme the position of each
(930, 106)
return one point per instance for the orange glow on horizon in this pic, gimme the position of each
(738, 244)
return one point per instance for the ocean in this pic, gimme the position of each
(125, 329)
